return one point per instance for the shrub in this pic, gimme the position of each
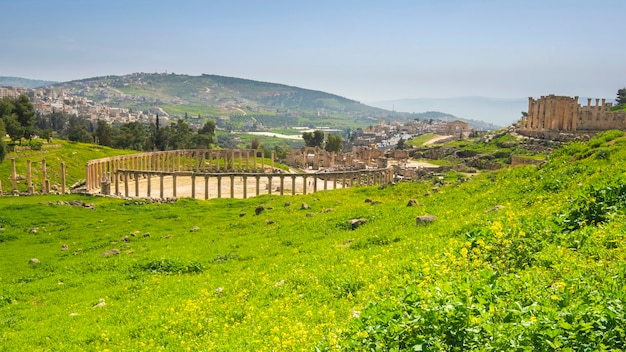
(167, 266)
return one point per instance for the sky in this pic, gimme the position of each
(365, 50)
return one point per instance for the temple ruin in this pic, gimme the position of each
(558, 117)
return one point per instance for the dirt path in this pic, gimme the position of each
(436, 139)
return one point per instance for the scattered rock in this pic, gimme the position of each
(412, 203)
(355, 223)
(375, 202)
(147, 234)
(111, 252)
(368, 200)
(328, 210)
(101, 303)
(218, 290)
(34, 261)
(424, 220)
(242, 214)
(126, 239)
(287, 204)
(33, 230)
(496, 208)
(194, 229)
(279, 283)
(64, 247)
(259, 210)
(305, 206)
(269, 222)
(309, 215)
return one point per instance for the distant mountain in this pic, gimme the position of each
(500, 112)
(234, 100)
(239, 100)
(18, 82)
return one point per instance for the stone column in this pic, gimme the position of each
(174, 185)
(14, 176)
(29, 180)
(232, 185)
(149, 186)
(257, 184)
(44, 178)
(326, 183)
(193, 185)
(314, 183)
(262, 162)
(335, 181)
(206, 187)
(269, 184)
(255, 170)
(126, 184)
(293, 185)
(161, 188)
(219, 186)
(272, 161)
(136, 184)
(117, 183)
(245, 186)
(62, 178)
(282, 185)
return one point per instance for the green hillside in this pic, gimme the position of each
(74, 155)
(219, 96)
(525, 258)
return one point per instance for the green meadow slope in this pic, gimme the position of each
(74, 155)
(528, 258)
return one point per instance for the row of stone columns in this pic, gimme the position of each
(310, 182)
(201, 160)
(45, 188)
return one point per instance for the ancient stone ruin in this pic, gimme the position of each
(560, 117)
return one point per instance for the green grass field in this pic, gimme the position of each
(529, 258)
(74, 155)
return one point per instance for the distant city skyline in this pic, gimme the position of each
(366, 50)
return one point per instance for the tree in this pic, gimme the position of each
(13, 127)
(18, 116)
(205, 136)
(131, 135)
(621, 96)
(25, 113)
(3, 150)
(333, 143)
(181, 136)
(400, 145)
(160, 139)
(313, 139)
(255, 144)
(103, 133)
(3, 147)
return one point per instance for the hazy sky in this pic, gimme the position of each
(364, 50)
